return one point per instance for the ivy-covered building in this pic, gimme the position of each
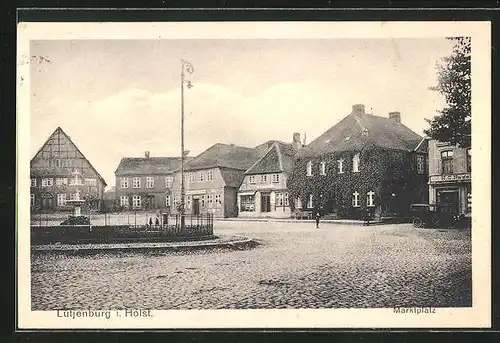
(264, 192)
(363, 162)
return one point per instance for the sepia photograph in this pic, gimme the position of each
(290, 174)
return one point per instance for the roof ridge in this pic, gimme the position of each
(260, 159)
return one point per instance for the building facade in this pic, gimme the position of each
(450, 170)
(365, 162)
(58, 171)
(264, 192)
(141, 183)
(212, 180)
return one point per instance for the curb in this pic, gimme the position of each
(241, 243)
(308, 221)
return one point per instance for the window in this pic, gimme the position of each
(167, 200)
(60, 181)
(136, 182)
(279, 199)
(310, 202)
(124, 182)
(32, 199)
(218, 202)
(309, 168)
(58, 163)
(33, 182)
(355, 199)
(322, 170)
(61, 199)
(200, 176)
(355, 163)
(298, 203)
(341, 165)
(247, 203)
(469, 161)
(263, 178)
(286, 199)
(188, 202)
(210, 175)
(191, 177)
(124, 201)
(202, 201)
(47, 182)
(74, 196)
(136, 201)
(150, 182)
(447, 162)
(276, 177)
(210, 200)
(420, 164)
(251, 179)
(168, 181)
(369, 198)
(91, 182)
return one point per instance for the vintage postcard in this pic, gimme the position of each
(253, 175)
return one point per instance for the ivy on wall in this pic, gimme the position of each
(390, 174)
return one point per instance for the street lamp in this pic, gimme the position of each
(187, 67)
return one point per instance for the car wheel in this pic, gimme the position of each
(418, 222)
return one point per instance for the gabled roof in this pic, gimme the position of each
(279, 158)
(149, 165)
(358, 132)
(59, 130)
(224, 156)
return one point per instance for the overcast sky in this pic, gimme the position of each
(118, 98)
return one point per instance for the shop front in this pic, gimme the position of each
(452, 191)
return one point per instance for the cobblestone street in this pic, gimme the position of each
(295, 266)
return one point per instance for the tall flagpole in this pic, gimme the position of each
(186, 67)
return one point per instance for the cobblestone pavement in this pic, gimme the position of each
(295, 266)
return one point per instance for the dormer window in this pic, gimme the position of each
(355, 163)
(322, 168)
(309, 168)
(341, 165)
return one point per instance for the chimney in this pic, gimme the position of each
(358, 109)
(146, 154)
(395, 116)
(296, 141)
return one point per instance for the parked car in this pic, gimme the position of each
(432, 215)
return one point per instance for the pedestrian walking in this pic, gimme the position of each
(367, 217)
(150, 222)
(318, 215)
(157, 221)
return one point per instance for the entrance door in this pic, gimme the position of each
(196, 207)
(265, 203)
(450, 200)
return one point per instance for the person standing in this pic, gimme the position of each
(150, 222)
(318, 215)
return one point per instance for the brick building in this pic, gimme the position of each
(142, 182)
(59, 170)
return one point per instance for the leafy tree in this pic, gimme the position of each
(453, 124)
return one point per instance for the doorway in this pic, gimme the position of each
(196, 207)
(265, 203)
(450, 199)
